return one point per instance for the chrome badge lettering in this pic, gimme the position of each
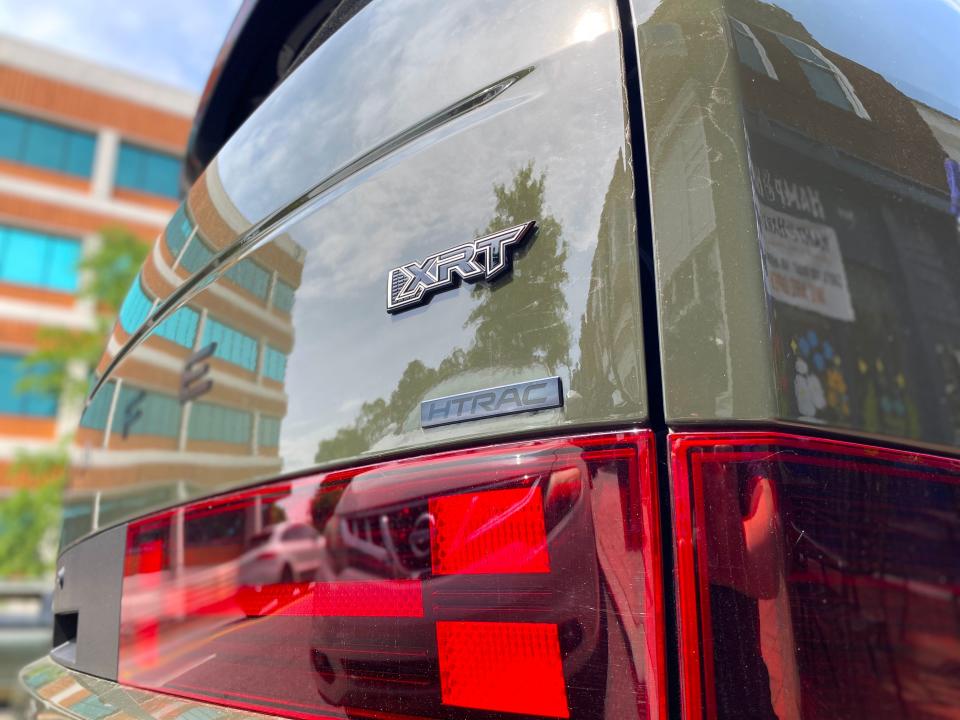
(504, 400)
(485, 258)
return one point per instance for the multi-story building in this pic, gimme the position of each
(82, 147)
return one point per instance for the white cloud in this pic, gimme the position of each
(174, 41)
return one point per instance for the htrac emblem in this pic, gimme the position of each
(485, 258)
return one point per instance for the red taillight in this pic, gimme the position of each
(514, 667)
(816, 578)
(518, 581)
(495, 531)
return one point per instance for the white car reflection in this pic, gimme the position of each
(284, 553)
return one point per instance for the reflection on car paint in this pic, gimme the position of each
(823, 178)
(308, 368)
(57, 693)
(827, 576)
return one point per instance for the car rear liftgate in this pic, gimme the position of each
(612, 553)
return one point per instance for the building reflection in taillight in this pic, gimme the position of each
(816, 578)
(510, 581)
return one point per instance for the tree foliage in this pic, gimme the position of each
(515, 327)
(29, 518)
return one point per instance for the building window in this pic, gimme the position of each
(664, 39)
(232, 345)
(45, 145)
(750, 51)
(181, 327)
(274, 363)
(268, 432)
(16, 402)
(96, 413)
(135, 307)
(38, 260)
(148, 171)
(283, 296)
(219, 424)
(196, 255)
(141, 412)
(251, 277)
(826, 79)
(178, 230)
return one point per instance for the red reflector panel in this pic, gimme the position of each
(816, 579)
(513, 667)
(515, 581)
(386, 598)
(496, 531)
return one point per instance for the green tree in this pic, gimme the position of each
(59, 366)
(30, 516)
(510, 323)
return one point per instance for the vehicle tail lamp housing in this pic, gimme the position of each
(815, 578)
(512, 581)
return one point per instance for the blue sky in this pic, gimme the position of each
(173, 41)
(912, 43)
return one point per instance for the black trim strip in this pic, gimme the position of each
(656, 409)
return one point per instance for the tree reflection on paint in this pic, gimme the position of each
(519, 325)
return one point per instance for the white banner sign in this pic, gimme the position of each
(803, 266)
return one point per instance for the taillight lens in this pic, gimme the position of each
(816, 579)
(512, 581)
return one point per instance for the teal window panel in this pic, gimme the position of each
(283, 296)
(91, 708)
(250, 276)
(39, 260)
(13, 129)
(181, 327)
(46, 145)
(16, 402)
(135, 308)
(129, 162)
(196, 255)
(209, 422)
(233, 345)
(96, 413)
(268, 432)
(146, 170)
(274, 363)
(63, 259)
(159, 414)
(79, 154)
(178, 230)
(24, 257)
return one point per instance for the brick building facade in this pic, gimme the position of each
(82, 147)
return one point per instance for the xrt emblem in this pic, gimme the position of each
(485, 258)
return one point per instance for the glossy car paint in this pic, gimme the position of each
(386, 145)
(382, 149)
(742, 150)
